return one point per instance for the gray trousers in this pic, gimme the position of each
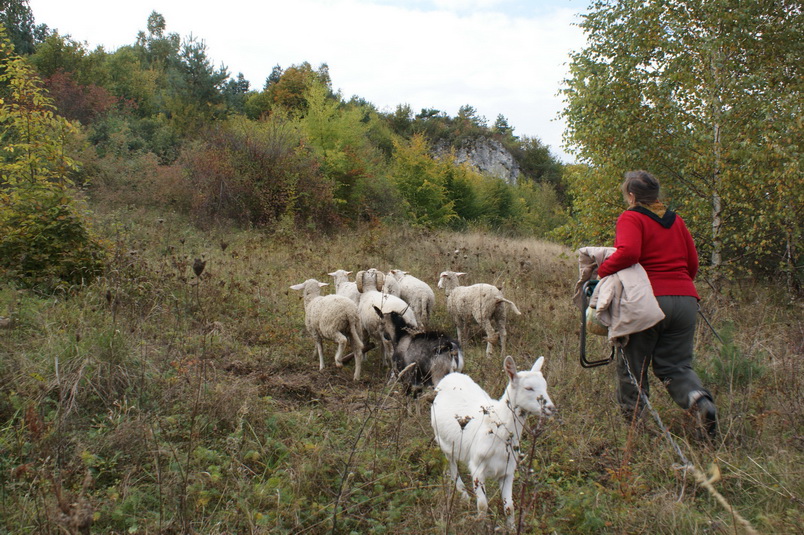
(667, 347)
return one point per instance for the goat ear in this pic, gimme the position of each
(537, 366)
(378, 311)
(510, 368)
(297, 286)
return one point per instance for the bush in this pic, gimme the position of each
(45, 238)
(259, 173)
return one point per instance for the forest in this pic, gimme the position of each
(155, 374)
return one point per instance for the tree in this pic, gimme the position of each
(289, 88)
(340, 135)
(194, 88)
(707, 94)
(503, 129)
(421, 184)
(537, 163)
(45, 239)
(235, 93)
(18, 20)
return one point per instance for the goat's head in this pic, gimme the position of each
(528, 389)
(392, 324)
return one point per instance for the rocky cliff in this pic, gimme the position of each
(486, 155)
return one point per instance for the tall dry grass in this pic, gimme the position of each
(156, 400)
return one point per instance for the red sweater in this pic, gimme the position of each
(663, 246)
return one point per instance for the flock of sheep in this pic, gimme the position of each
(394, 310)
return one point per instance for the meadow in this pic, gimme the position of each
(159, 399)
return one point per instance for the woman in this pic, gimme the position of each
(657, 238)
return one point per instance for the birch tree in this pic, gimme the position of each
(707, 95)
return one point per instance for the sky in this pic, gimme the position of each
(502, 57)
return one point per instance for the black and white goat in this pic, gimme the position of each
(432, 353)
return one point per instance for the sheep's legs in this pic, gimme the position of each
(491, 336)
(460, 330)
(319, 348)
(358, 351)
(341, 341)
(503, 335)
(338, 354)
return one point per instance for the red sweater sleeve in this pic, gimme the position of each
(628, 245)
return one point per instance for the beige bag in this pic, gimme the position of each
(593, 324)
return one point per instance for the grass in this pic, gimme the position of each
(155, 400)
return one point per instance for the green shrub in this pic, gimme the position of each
(44, 235)
(45, 238)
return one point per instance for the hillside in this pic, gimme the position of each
(154, 400)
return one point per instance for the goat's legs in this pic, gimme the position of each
(507, 491)
(480, 491)
(456, 477)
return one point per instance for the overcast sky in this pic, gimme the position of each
(504, 57)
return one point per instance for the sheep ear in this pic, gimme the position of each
(378, 311)
(331, 274)
(537, 366)
(510, 368)
(380, 280)
(460, 274)
(297, 286)
(322, 284)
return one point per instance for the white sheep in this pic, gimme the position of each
(414, 291)
(391, 285)
(472, 428)
(369, 283)
(331, 317)
(482, 302)
(345, 287)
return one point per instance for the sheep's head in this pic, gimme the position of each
(364, 278)
(397, 273)
(311, 287)
(448, 280)
(340, 275)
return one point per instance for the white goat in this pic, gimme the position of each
(414, 291)
(369, 283)
(472, 428)
(482, 302)
(331, 317)
(343, 286)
